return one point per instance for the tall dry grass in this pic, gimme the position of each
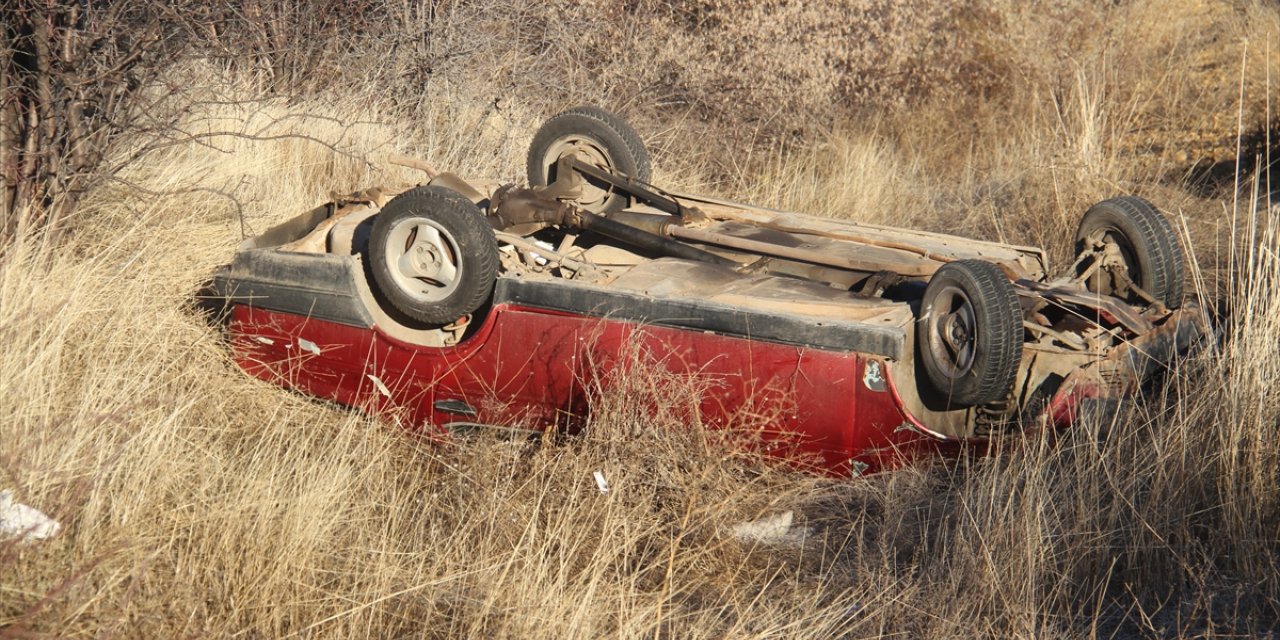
(199, 502)
(204, 503)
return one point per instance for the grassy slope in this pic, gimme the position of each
(199, 502)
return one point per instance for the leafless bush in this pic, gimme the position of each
(73, 78)
(78, 78)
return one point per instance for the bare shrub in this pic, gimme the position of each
(73, 78)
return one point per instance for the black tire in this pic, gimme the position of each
(443, 230)
(1151, 250)
(608, 139)
(969, 334)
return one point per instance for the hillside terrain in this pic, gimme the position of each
(197, 502)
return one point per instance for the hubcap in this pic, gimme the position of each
(423, 259)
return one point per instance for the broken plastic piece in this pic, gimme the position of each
(774, 530)
(307, 345)
(382, 388)
(18, 520)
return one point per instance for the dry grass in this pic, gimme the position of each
(199, 502)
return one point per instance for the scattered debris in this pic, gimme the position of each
(601, 483)
(307, 345)
(18, 520)
(774, 530)
(382, 388)
(873, 379)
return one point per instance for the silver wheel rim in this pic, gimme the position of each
(951, 332)
(423, 259)
(588, 151)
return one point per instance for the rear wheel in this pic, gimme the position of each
(597, 137)
(433, 256)
(1143, 247)
(969, 335)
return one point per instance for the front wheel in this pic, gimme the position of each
(969, 335)
(433, 256)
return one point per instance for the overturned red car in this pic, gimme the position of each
(463, 304)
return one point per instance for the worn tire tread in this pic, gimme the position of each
(998, 315)
(634, 161)
(629, 136)
(1156, 241)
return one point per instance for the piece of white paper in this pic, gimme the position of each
(18, 520)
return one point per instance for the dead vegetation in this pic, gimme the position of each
(198, 502)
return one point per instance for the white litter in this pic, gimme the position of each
(601, 483)
(537, 258)
(307, 345)
(773, 530)
(18, 520)
(382, 388)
